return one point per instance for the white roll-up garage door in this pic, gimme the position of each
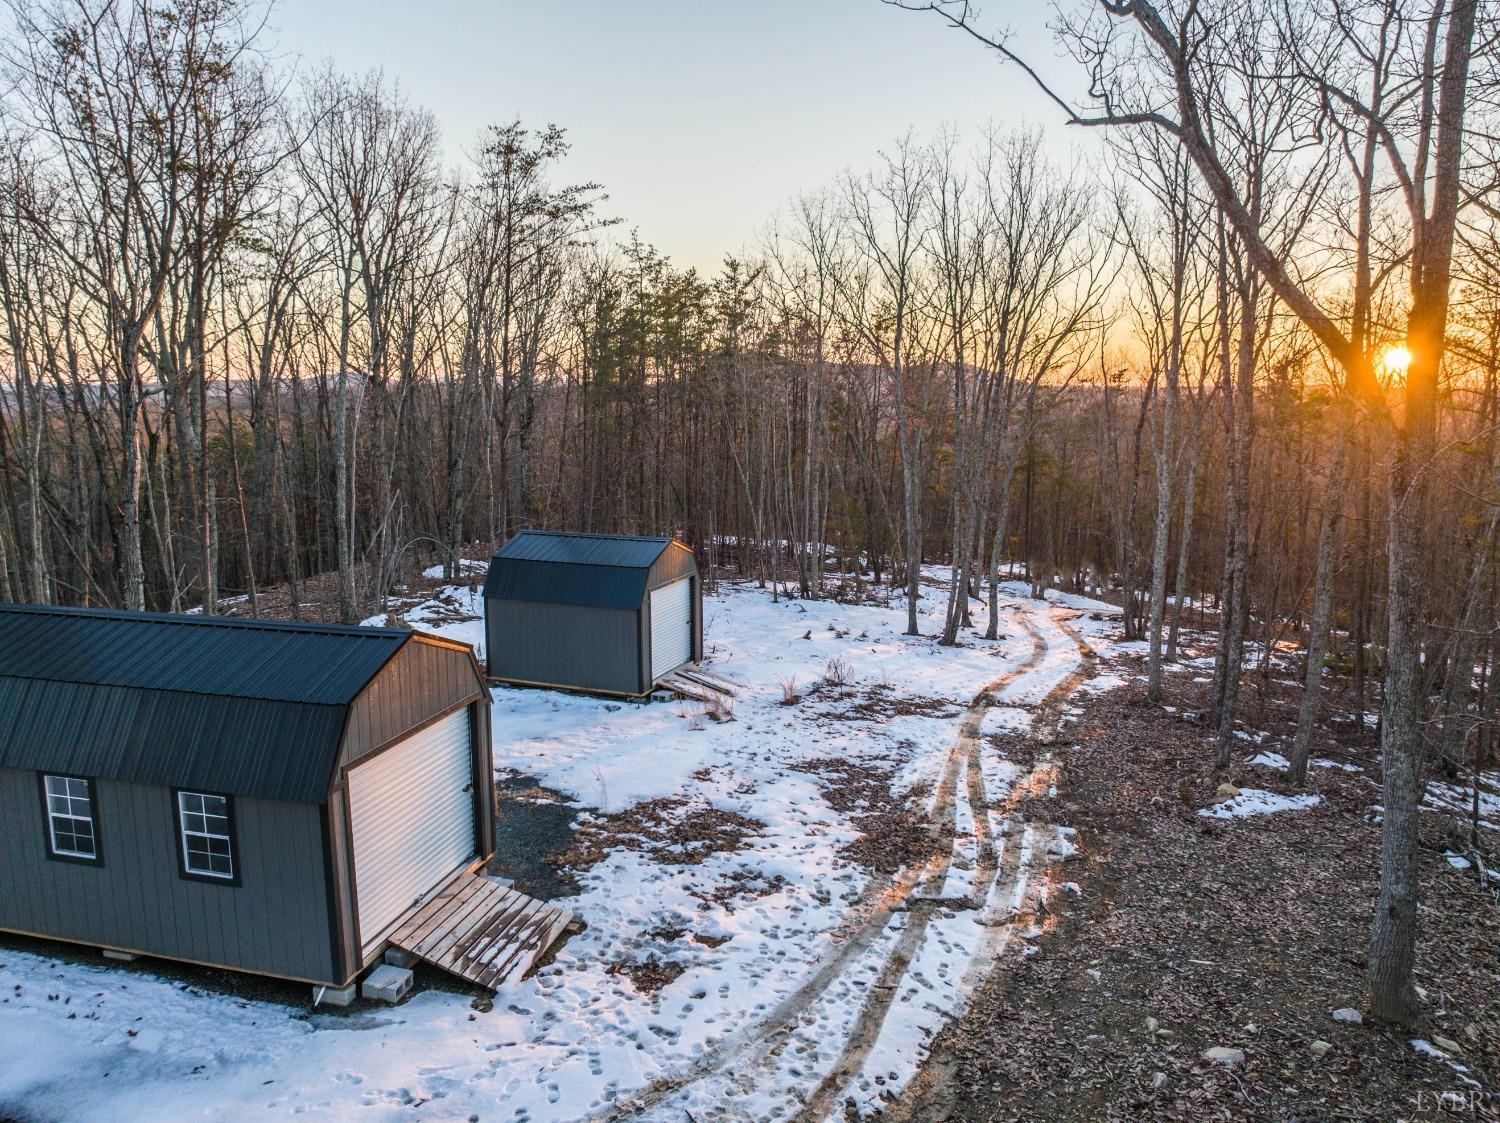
(671, 627)
(412, 817)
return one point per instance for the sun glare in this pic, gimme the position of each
(1395, 359)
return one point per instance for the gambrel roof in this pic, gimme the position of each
(593, 570)
(246, 707)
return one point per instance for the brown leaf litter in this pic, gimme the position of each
(672, 829)
(1191, 933)
(891, 834)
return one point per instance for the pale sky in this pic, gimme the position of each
(700, 119)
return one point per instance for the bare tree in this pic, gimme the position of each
(119, 97)
(1165, 68)
(882, 298)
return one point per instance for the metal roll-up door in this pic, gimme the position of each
(671, 627)
(412, 818)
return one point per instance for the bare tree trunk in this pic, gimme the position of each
(1234, 612)
(1317, 636)
(1162, 532)
(1184, 542)
(1394, 931)
(343, 509)
(1393, 935)
(997, 544)
(132, 568)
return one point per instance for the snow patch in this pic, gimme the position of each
(1267, 759)
(1458, 799)
(1004, 719)
(1258, 801)
(465, 565)
(1319, 762)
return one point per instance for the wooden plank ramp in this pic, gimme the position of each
(720, 682)
(684, 688)
(693, 682)
(482, 930)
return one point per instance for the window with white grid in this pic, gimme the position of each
(70, 817)
(207, 842)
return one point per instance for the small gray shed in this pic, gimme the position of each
(605, 613)
(276, 798)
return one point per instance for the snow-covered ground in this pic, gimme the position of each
(804, 975)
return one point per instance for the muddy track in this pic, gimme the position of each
(1002, 887)
(1002, 878)
(931, 1093)
(868, 919)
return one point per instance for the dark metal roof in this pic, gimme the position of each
(251, 708)
(274, 660)
(592, 570)
(629, 551)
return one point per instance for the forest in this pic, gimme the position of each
(1238, 370)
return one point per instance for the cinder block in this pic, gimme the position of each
(122, 956)
(399, 957)
(387, 984)
(333, 996)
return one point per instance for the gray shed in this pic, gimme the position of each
(279, 798)
(605, 613)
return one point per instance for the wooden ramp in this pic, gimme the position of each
(694, 682)
(480, 930)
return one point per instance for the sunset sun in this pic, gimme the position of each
(1395, 358)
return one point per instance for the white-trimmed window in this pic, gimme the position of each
(206, 827)
(72, 824)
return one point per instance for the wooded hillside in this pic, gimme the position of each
(256, 330)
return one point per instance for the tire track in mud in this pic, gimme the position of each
(1001, 880)
(931, 1092)
(868, 918)
(912, 890)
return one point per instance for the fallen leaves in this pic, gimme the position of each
(1190, 934)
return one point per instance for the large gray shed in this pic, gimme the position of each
(606, 613)
(278, 798)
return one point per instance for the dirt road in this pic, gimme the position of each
(1003, 868)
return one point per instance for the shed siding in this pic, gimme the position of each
(565, 645)
(675, 561)
(275, 921)
(484, 773)
(341, 879)
(420, 682)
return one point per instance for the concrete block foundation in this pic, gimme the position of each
(399, 957)
(334, 996)
(387, 984)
